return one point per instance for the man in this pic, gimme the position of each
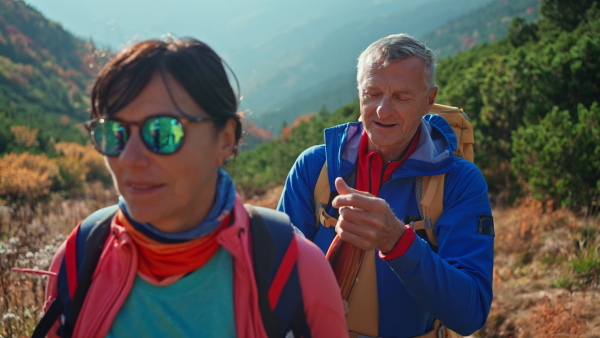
(404, 283)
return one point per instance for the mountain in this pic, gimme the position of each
(266, 42)
(459, 21)
(484, 25)
(331, 54)
(44, 73)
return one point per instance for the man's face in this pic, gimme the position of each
(393, 99)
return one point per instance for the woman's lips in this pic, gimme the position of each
(142, 187)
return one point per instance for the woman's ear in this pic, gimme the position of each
(227, 141)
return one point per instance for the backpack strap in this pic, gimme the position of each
(430, 196)
(322, 198)
(93, 246)
(275, 256)
(48, 320)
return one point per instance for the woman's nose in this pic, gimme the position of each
(135, 152)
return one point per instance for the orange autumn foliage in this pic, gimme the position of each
(26, 176)
(79, 163)
(286, 132)
(24, 136)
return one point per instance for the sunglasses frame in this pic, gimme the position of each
(183, 120)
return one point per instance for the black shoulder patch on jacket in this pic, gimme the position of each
(485, 225)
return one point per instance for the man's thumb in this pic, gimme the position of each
(341, 187)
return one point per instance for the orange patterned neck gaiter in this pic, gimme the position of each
(162, 260)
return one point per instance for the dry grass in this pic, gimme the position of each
(545, 276)
(29, 236)
(539, 291)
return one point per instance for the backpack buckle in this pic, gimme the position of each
(324, 218)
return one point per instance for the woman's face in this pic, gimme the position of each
(173, 192)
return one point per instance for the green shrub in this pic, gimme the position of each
(560, 157)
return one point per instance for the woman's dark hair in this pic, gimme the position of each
(192, 63)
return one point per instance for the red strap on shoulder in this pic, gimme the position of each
(285, 269)
(71, 261)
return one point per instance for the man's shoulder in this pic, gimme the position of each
(312, 155)
(465, 171)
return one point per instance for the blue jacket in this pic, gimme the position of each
(453, 284)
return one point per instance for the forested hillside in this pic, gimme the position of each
(447, 27)
(44, 73)
(532, 98)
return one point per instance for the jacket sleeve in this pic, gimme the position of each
(297, 197)
(320, 292)
(455, 284)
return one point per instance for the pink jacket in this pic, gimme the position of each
(117, 269)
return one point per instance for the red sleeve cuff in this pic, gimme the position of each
(402, 246)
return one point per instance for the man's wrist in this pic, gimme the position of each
(402, 245)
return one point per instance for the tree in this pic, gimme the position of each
(566, 14)
(559, 158)
(520, 32)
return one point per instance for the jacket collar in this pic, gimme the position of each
(434, 153)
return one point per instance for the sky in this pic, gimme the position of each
(223, 24)
(244, 33)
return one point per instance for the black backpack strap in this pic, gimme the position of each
(86, 227)
(49, 318)
(275, 254)
(90, 242)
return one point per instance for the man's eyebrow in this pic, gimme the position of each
(370, 87)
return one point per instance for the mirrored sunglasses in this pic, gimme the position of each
(161, 134)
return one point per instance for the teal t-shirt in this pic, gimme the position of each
(198, 305)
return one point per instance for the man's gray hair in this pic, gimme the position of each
(395, 48)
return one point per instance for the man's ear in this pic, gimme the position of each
(431, 98)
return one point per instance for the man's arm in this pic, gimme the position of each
(455, 284)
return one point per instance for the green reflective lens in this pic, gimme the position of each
(162, 134)
(110, 137)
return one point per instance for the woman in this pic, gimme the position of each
(178, 261)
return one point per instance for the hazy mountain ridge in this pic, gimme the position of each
(484, 25)
(484, 22)
(328, 68)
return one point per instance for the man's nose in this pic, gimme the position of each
(384, 107)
